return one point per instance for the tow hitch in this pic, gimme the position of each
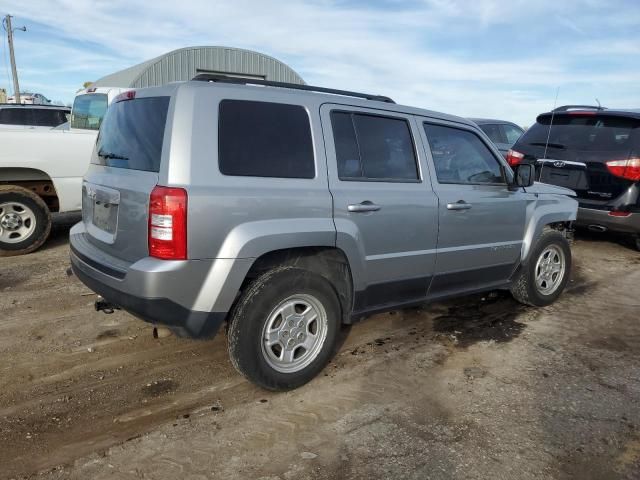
(102, 305)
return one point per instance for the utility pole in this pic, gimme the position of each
(14, 70)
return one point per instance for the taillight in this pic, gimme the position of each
(514, 158)
(628, 169)
(618, 213)
(168, 223)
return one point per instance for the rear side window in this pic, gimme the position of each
(132, 133)
(512, 133)
(15, 116)
(582, 132)
(263, 139)
(494, 132)
(48, 117)
(459, 156)
(88, 111)
(372, 147)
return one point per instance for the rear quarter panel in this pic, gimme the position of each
(237, 216)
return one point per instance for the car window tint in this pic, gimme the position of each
(15, 116)
(347, 152)
(48, 117)
(263, 139)
(511, 133)
(132, 134)
(460, 156)
(494, 132)
(373, 147)
(591, 133)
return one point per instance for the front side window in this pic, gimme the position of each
(263, 139)
(372, 147)
(88, 111)
(459, 156)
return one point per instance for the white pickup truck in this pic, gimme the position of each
(41, 171)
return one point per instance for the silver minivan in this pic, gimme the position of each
(285, 211)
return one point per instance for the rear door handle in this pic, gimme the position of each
(459, 205)
(365, 206)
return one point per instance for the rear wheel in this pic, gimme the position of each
(25, 221)
(543, 280)
(284, 328)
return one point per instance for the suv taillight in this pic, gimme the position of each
(514, 158)
(168, 223)
(629, 169)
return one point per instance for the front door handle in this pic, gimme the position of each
(459, 205)
(365, 206)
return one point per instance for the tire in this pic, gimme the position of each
(635, 241)
(25, 221)
(273, 306)
(525, 289)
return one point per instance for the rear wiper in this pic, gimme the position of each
(111, 156)
(552, 145)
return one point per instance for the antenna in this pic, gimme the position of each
(599, 106)
(553, 112)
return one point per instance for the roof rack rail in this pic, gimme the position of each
(208, 77)
(566, 108)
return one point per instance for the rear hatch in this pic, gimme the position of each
(572, 152)
(123, 172)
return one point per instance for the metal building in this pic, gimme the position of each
(185, 63)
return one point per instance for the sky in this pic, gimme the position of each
(502, 59)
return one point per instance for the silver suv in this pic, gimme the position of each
(285, 211)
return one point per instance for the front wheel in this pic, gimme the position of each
(283, 330)
(542, 281)
(25, 221)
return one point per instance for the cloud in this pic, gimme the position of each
(483, 58)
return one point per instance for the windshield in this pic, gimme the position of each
(132, 134)
(583, 132)
(88, 111)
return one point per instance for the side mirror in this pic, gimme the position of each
(524, 175)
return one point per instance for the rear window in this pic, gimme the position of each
(131, 134)
(88, 111)
(14, 116)
(263, 139)
(48, 117)
(582, 132)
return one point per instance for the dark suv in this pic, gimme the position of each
(595, 152)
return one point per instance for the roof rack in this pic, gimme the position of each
(208, 77)
(566, 108)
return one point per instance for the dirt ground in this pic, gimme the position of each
(475, 388)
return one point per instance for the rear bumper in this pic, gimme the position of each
(588, 217)
(155, 291)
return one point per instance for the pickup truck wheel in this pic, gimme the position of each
(543, 280)
(25, 221)
(283, 329)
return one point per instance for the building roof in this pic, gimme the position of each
(183, 64)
